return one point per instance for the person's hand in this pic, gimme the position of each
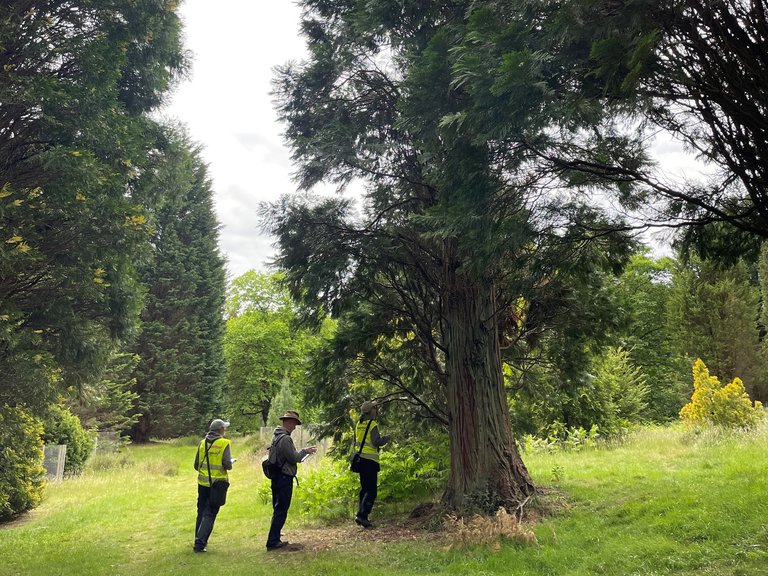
(311, 449)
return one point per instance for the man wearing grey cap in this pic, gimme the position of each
(212, 461)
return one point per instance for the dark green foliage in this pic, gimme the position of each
(180, 375)
(606, 77)
(644, 297)
(76, 82)
(465, 245)
(63, 427)
(714, 310)
(610, 399)
(107, 403)
(719, 242)
(22, 476)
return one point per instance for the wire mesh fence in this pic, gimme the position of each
(54, 458)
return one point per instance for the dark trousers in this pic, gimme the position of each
(206, 516)
(369, 480)
(282, 492)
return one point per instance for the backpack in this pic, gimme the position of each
(271, 469)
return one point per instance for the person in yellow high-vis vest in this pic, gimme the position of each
(212, 461)
(368, 429)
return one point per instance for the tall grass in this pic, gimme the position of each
(665, 501)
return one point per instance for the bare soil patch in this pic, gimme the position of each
(349, 534)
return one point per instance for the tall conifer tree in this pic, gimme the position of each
(462, 253)
(180, 375)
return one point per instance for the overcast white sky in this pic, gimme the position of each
(227, 107)
(228, 110)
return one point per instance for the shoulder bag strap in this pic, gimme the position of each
(273, 446)
(273, 450)
(208, 461)
(365, 436)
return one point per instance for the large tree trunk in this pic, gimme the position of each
(486, 468)
(140, 433)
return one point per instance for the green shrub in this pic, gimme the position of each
(615, 397)
(412, 473)
(63, 427)
(610, 397)
(22, 476)
(408, 475)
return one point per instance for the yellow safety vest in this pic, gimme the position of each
(215, 459)
(369, 450)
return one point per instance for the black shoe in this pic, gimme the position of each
(281, 544)
(196, 549)
(364, 522)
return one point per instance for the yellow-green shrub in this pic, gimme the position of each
(724, 405)
(22, 476)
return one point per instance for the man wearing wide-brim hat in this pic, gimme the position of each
(283, 452)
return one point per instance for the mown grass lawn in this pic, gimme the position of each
(663, 502)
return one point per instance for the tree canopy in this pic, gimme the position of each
(464, 252)
(77, 80)
(610, 75)
(264, 347)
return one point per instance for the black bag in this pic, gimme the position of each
(270, 470)
(356, 463)
(218, 495)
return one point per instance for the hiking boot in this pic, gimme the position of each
(364, 522)
(281, 544)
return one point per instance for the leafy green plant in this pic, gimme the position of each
(328, 491)
(412, 473)
(558, 473)
(22, 477)
(408, 475)
(561, 438)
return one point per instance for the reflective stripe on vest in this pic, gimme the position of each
(369, 450)
(215, 457)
